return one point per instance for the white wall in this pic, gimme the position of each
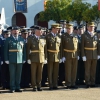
(34, 7)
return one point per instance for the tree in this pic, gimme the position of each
(54, 10)
(76, 9)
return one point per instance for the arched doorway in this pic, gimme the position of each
(18, 19)
(40, 23)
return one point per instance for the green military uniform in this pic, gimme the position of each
(54, 55)
(14, 52)
(70, 52)
(90, 49)
(37, 53)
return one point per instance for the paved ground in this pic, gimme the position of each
(61, 94)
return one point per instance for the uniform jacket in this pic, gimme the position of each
(69, 43)
(90, 42)
(54, 44)
(12, 44)
(34, 44)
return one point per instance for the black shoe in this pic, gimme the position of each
(39, 89)
(55, 88)
(93, 86)
(60, 84)
(34, 89)
(74, 87)
(12, 91)
(68, 87)
(87, 86)
(18, 90)
(50, 88)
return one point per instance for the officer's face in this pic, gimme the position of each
(7, 35)
(70, 30)
(15, 33)
(25, 35)
(80, 31)
(56, 30)
(38, 32)
(91, 28)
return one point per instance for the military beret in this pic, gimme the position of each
(80, 27)
(22, 26)
(90, 24)
(55, 25)
(37, 27)
(24, 31)
(15, 28)
(6, 32)
(9, 28)
(69, 25)
(75, 27)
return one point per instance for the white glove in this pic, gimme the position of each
(45, 61)
(1, 62)
(7, 62)
(84, 58)
(98, 57)
(78, 58)
(29, 61)
(24, 62)
(63, 59)
(60, 61)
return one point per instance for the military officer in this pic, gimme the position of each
(26, 73)
(98, 64)
(90, 53)
(36, 55)
(80, 68)
(70, 56)
(53, 41)
(4, 66)
(14, 55)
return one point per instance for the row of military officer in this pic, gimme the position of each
(52, 49)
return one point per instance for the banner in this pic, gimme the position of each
(20, 6)
(45, 1)
(98, 4)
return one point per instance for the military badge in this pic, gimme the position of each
(95, 38)
(21, 43)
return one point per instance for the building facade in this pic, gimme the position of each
(34, 7)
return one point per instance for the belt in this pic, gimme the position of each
(69, 50)
(15, 50)
(90, 48)
(36, 51)
(53, 51)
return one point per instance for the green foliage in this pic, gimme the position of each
(66, 9)
(54, 10)
(76, 9)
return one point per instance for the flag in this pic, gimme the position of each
(45, 1)
(20, 6)
(98, 4)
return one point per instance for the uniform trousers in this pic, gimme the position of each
(36, 74)
(53, 69)
(70, 71)
(15, 75)
(90, 71)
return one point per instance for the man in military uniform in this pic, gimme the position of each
(80, 68)
(4, 66)
(14, 55)
(90, 53)
(98, 64)
(53, 41)
(26, 72)
(70, 56)
(36, 56)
